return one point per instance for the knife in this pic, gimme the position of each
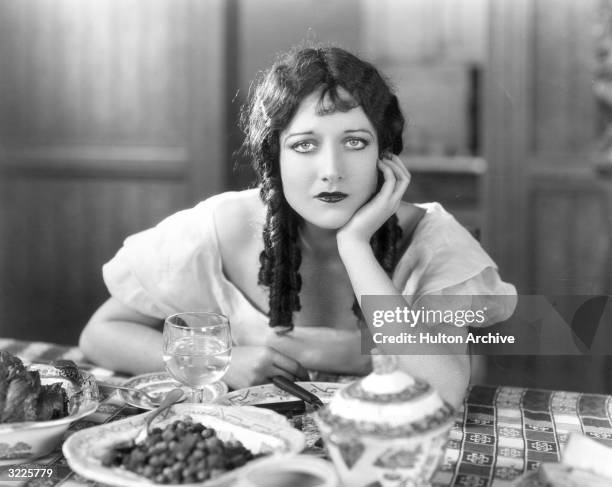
(296, 390)
(286, 408)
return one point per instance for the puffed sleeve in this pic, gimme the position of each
(171, 267)
(445, 260)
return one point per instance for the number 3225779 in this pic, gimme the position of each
(29, 473)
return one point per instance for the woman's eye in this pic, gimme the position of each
(303, 146)
(356, 143)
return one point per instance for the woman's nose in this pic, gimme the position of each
(331, 167)
(331, 178)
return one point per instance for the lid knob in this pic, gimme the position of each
(384, 364)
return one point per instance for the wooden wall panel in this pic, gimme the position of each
(433, 52)
(570, 235)
(539, 116)
(591, 242)
(550, 230)
(111, 117)
(570, 242)
(96, 71)
(62, 237)
(550, 213)
(563, 63)
(507, 130)
(424, 31)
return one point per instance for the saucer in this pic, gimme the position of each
(157, 384)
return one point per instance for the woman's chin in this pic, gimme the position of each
(334, 223)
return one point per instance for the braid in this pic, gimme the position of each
(390, 237)
(281, 258)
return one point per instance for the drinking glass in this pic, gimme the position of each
(197, 349)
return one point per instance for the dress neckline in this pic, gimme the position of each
(412, 227)
(227, 284)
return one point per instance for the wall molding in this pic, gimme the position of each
(144, 162)
(507, 135)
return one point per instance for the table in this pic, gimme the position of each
(499, 434)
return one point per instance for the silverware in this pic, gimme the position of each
(155, 401)
(298, 391)
(286, 408)
(174, 396)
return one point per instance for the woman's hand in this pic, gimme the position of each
(324, 349)
(252, 365)
(371, 216)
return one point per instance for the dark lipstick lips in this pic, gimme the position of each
(331, 197)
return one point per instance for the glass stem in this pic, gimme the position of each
(198, 395)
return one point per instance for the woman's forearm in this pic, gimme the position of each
(123, 346)
(364, 271)
(446, 371)
(329, 350)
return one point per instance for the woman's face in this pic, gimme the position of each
(328, 162)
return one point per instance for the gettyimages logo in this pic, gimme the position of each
(488, 325)
(412, 317)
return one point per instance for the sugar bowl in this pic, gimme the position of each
(386, 429)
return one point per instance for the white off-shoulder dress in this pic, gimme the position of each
(176, 266)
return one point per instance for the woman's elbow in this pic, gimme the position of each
(459, 380)
(89, 336)
(452, 381)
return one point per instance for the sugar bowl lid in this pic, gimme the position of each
(388, 402)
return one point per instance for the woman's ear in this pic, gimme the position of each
(385, 153)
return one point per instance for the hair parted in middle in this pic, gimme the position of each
(271, 107)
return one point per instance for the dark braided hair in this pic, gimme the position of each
(293, 77)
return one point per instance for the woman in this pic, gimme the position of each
(286, 261)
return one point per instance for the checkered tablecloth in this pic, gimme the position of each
(499, 434)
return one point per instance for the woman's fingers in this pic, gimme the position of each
(401, 172)
(292, 369)
(388, 186)
(252, 365)
(397, 177)
(278, 371)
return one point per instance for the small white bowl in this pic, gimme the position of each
(299, 470)
(28, 440)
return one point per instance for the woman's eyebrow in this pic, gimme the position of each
(293, 134)
(358, 130)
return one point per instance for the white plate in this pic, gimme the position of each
(270, 393)
(158, 384)
(259, 430)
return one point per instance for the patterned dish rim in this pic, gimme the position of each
(84, 400)
(430, 424)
